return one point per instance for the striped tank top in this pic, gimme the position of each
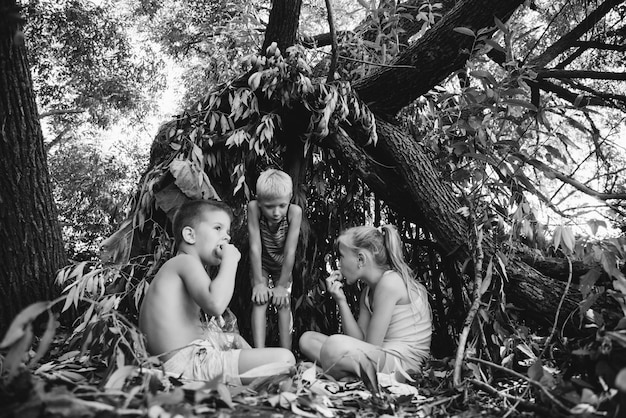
(273, 245)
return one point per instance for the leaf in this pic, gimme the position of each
(487, 280)
(225, 395)
(465, 31)
(463, 211)
(21, 323)
(588, 280)
(535, 372)
(255, 80)
(501, 25)
(46, 339)
(484, 74)
(173, 397)
(620, 380)
(494, 45)
(401, 370)
(594, 224)
(576, 124)
(15, 356)
(556, 238)
(569, 242)
(191, 181)
(118, 378)
(368, 373)
(521, 103)
(609, 264)
(169, 199)
(566, 140)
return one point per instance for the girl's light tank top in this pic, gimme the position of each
(410, 329)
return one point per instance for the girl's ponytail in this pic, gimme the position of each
(395, 253)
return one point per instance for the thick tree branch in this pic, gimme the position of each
(56, 112)
(568, 40)
(577, 99)
(597, 75)
(551, 172)
(407, 27)
(585, 46)
(434, 56)
(600, 45)
(402, 173)
(615, 100)
(57, 139)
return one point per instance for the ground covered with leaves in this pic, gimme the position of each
(65, 389)
(54, 382)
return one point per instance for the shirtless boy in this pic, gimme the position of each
(171, 310)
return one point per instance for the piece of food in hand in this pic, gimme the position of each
(329, 263)
(336, 276)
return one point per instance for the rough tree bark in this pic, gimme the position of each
(282, 27)
(32, 249)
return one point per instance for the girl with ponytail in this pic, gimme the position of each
(393, 329)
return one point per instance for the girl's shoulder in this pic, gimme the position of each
(391, 284)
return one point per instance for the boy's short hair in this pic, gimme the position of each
(190, 213)
(273, 183)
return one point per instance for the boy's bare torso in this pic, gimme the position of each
(170, 313)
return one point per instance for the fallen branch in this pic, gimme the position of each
(525, 404)
(533, 382)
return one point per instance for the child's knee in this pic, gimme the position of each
(285, 356)
(284, 311)
(306, 338)
(259, 307)
(334, 348)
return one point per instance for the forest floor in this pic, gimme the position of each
(102, 382)
(74, 391)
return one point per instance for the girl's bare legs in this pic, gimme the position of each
(341, 355)
(250, 359)
(285, 325)
(258, 324)
(311, 345)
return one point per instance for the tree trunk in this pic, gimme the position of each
(32, 249)
(558, 268)
(282, 27)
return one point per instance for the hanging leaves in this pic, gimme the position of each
(192, 181)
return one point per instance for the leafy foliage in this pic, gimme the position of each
(507, 154)
(91, 188)
(207, 38)
(82, 59)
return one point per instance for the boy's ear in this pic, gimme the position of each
(189, 235)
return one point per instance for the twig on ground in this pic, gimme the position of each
(544, 389)
(525, 404)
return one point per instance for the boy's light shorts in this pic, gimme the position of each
(200, 360)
